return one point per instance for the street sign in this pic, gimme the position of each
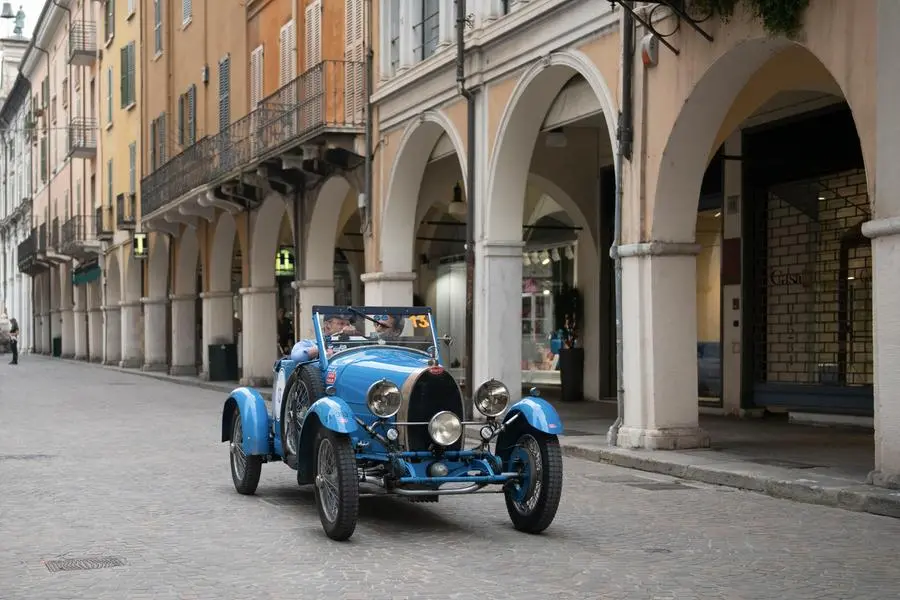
(284, 262)
(140, 249)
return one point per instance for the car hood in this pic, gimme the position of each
(389, 359)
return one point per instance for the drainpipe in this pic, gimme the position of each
(470, 196)
(365, 204)
(624, 136)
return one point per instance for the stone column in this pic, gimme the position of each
(311, 292)
(55, 328)
(95, 335)
(447, 23)
(498, 318)
(218, 323)
(112, 351)
(132, 334)
(155, 328)
(67, 316)
(260, 342)
(184, 335)
(885, 236)
(388, 289)
(659, 333)
(79, 313)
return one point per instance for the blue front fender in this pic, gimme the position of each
(333, 414)
(254, 420)
(539, 413)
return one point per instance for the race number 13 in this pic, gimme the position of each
(419, 321)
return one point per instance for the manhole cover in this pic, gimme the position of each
(778, 462)
(83, 564)
(659, 486)
(24, 456)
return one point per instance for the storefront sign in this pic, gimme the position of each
(140, 249)
(284, 262)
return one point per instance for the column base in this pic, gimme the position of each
(81, 358)
(879, 478)
(130, 363)
(155, 367)
(183, 370)
(67, 355)
(256, 382)
(109, 363)
(673, 438)
(96, 359)
(204, 375)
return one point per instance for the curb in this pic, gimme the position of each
(858, 498)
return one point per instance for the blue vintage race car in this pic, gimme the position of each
(368, 408)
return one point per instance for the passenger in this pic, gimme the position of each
(306, 350)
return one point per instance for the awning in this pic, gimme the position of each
(86, 273)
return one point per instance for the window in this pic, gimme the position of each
(182, 118)
(287, 50)
(157, 26)
(127, 90)
(354, 59)
(109, 95)
(132, 167)
(256, 76)
(109, 20)
(153, 138)
(44, 158)
(427, 31)
(192, 115)
(224, 93)
(185, 12)
(109, 180)
(158, 142)
(131, 7)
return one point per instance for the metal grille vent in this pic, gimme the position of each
(83, 564)
(813, 321)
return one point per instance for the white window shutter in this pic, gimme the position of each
(256, 76)
(354, 57)
(314, 108)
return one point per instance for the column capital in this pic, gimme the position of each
(108, 309)
(216, 294)
(130, 304)
(182, 297)
(154, 301)
(877, 228)
(500, 248)
(387, 276)
(252, 291)
(313, 283)
(645, 249)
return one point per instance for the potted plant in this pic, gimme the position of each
(567, 308)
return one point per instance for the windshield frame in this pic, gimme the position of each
(405, 311)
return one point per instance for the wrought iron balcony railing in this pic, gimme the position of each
(42, 238)
(54, 234)
(125, 211)
(27, 250)
(83, 137)
(82, 43)
(78, 229)
(103, 222)
(329, 97)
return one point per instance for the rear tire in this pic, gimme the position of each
(304, 387)
(245, 470)
(336, 484)
(533, 505)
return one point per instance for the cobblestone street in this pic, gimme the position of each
(95, 463)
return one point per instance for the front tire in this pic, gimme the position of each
(245, 470)
(336, 484)
(533, 503)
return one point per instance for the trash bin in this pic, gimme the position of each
(571, 374)
(223, 363)
(57, 346)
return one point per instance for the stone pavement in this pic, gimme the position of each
(97, 463)
(820, 465)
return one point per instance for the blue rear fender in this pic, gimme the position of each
(538, 413)
(254, 420)
(330, 412)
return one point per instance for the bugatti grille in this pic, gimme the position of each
(430, 395)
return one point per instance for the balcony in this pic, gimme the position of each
(125, 211)
(311, 124)
(103, 223)
(52, 250)
(78, 238)
(83, 137)
(82, 43)
(31, 259)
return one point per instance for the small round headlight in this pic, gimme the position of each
(491, 398)
(445, 428)
(384, 399)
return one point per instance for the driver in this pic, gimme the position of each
(306, 350)
(389, 327)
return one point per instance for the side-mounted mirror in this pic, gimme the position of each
(446, 339)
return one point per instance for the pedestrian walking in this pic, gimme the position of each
(14, 340)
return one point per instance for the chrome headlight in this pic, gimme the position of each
(445, 428)
(491, 398)
(384, 399)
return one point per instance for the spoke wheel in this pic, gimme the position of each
(336, 484)
(295, 408)
(533, 502)
(245, 470)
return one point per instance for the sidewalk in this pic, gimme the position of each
(816, 465)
